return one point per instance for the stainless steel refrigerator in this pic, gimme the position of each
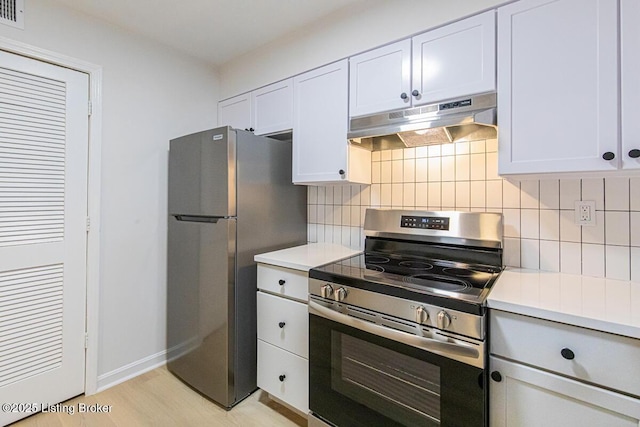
(230, 197)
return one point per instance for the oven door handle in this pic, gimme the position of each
(455, 350)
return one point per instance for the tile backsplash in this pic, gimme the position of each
(539, 227)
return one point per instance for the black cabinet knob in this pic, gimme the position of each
(251, 129)
(341, 172)
(281, 282)
(608, 155)
(634, 154)
(281, 324)
(496, 376)
(567, 354)
(404, 95)
(415, 93)
(282, 377)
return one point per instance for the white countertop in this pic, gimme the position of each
(307, 256)
(601, 304)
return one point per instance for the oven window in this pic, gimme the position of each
(357, 379)
(395, 385)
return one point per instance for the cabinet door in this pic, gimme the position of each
(455, 60)
(630, 51)
(380, 80)
(283, 375)
(529, 397)
(283, 323)
(320, 120)
(272, 108)
(236, 112)
(557, 86)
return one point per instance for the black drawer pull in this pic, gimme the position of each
(281, 282)
(281, 324)
(634, 154)
(567, 354)
(608, 155)
(282, 377)
(495, 375)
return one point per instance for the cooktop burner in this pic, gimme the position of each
(433, 270)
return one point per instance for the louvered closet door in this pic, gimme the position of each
(43, 209)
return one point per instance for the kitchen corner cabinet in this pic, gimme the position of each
(264, 111)
(283, 343)
(321, 152)
(236, 112)
(455, 60)
(558, 105)
(551, 374)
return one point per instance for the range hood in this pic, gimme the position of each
(465, 118)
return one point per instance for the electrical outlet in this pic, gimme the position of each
(585, 213)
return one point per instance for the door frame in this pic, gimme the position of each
(93, 197)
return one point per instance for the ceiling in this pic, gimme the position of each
(212, 30)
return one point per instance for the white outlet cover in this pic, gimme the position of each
(589, 205)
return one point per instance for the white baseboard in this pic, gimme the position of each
(131, 370)
(146, 364)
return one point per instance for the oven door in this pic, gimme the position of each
(360, 376)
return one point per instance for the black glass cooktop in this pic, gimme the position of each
(412, 276)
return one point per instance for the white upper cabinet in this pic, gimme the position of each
(558, 106)
(264, 111)
(272, 108)
(455, 60)
(321, 152)
(380, 80)
(235, 112)
(630, 49)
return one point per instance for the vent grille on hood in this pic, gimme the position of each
(12, 13)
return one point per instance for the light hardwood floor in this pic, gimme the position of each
(157, 398)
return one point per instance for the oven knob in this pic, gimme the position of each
(444, 320)
(340, 294)
(422, 315)
(326, 291)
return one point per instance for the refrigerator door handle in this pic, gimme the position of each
(198, 218)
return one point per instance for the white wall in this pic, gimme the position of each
(365, 25)
(150, 95)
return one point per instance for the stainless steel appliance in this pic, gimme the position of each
(397, 333)
(230, 197)
(467, 117)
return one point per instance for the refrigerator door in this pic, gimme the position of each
(200, 304)
(202, 174)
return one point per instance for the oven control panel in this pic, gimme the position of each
(425, 222)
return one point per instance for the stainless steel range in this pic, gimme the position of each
(397, 333)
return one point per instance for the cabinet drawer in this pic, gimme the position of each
(599, 358)
(274, 312)
(275, 363)
(284, 281)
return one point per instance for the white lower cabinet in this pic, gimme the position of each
(530, 397)
(283, 335)
(284, 375)
(545, 373)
